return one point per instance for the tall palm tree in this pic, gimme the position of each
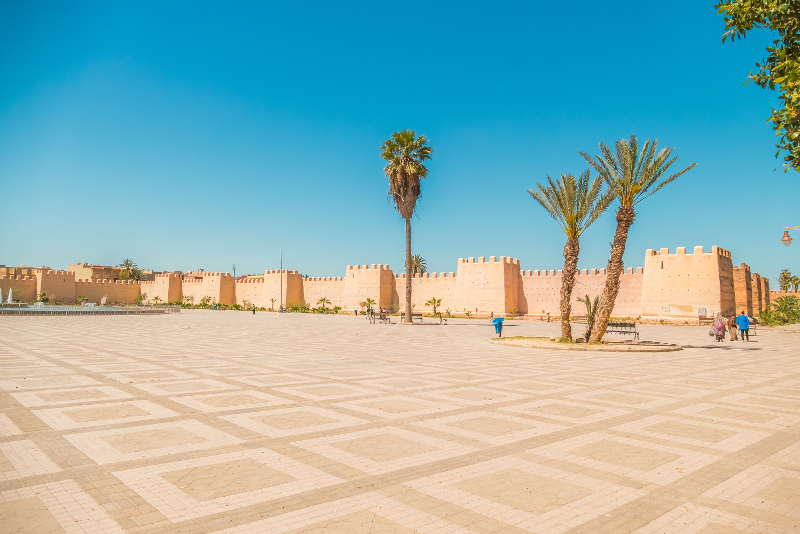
(406, 153)
(632, 176)
(575, 203)
(795, 281)
(418, 265)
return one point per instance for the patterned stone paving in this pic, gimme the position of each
(270, 423)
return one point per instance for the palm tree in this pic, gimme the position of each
(632, 177)
(418, 264)
(795, 281)
(156, 299)
(788, 308)
(272, 301)
(323, 301)
(370, 303)
(406, 153)
(591, 312)
(575, 204)
(434, 302)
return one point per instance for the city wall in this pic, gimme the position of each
(777, 294)
(682, 285)
(674, 286)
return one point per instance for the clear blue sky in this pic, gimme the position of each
(199, 134)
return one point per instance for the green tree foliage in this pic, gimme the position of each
(575, 203)
(130, 271)
(406, 154)
(795, 282)
(781, 67)
(785, 280)
(418, 265)
(324, 301)
(632, 176)
(434, 302)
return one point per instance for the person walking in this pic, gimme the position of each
(732, 328)
(743, 322)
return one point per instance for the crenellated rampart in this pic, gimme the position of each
(674, 286)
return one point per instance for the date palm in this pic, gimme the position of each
(418, 265)
(406, 152)
(632, 176)
(575, 203)
(324, 301)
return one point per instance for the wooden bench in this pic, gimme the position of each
(622, 328)
(705, 319)
(413, 316)
(579, 319)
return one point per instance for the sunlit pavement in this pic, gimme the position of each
(271, 423)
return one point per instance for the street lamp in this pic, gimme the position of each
(786, 240)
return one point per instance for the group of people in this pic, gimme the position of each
(740, 323)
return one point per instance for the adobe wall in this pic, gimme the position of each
(374, 281)
(758, 300)
(115, 291)
(218, 286)
(330, 288)
(776, 294)
(488, 286)
(251, 291)
(765, 292)
(23, 287)
(676, 285)
(59, 285)
(541, 292)
(424, 287)
(292, 287)
(743, 289)
(167, 287)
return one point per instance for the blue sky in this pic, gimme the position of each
(192, 135)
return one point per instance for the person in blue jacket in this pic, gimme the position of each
(743, 322)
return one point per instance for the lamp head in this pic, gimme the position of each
(786, 240)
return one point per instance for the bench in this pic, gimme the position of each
(705, 319)
(413, 316)
(622, 328)
(579, 319)
(382, 317)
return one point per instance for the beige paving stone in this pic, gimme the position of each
(385, 449)
(309, 423)
(220, 483)
(293, 421)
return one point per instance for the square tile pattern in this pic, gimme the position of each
(311, 424)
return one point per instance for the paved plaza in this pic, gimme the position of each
(288, 423)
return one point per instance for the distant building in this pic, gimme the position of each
(84, 271)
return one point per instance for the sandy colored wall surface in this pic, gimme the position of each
(777, 294)
(329, 288)
(167, 287)
(743, 289)
(59, 285)
(424, 287)
(541, 292)
(374, 281)
(676, 285)
(24, 287)
(115, 291)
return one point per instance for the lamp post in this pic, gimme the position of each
(786, 240)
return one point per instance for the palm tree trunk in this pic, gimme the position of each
(571, 251)
(407, 318)
(625, 217)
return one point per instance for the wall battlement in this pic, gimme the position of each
(676, 285)
(681, 251)
(378, 266)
